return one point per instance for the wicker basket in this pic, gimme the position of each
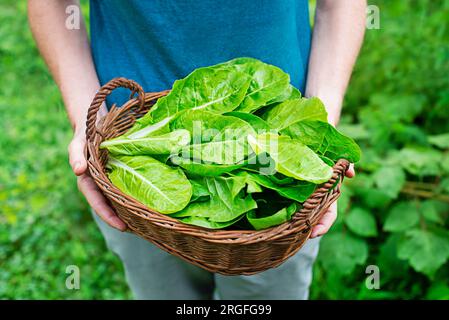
(228, 252)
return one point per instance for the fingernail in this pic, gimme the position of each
(76, 166)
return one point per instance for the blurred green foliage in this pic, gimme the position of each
(45, 225)
(393, 215)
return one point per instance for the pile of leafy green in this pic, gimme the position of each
(231, 144)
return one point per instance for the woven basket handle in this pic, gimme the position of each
(340, 169)
(101, 95)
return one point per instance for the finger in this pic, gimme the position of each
(76, 156)
(326, 222)
(350, 173)
(99, 203)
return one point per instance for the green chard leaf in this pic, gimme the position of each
(205, 169)
(290, 112)
(207, 223)
(199, 190)
(324, 139)
(299, 190)
(169, 143)
(257, 123)
(151, 182)
(289, 94)
(280, 179)
(209, 88)
(283, 215)
(292, 158)
(215, 138)
(268, 83)
(226, 203)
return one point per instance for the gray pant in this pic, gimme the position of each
(154, 274)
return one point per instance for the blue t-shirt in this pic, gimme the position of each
(156, 42)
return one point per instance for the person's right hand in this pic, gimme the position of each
(87, 185)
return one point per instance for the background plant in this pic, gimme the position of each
(394, 214)
(44, 224)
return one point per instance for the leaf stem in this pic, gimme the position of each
(425, 194)
(421, 185)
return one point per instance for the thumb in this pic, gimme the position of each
(77, 158)
(350, 173)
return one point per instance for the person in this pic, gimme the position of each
(156, 42)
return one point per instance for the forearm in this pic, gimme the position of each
(67, 54)
(337, 36)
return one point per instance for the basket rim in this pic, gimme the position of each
(300, 223)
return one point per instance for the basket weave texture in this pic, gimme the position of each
(228, 252)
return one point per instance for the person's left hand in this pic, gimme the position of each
(329, 217)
